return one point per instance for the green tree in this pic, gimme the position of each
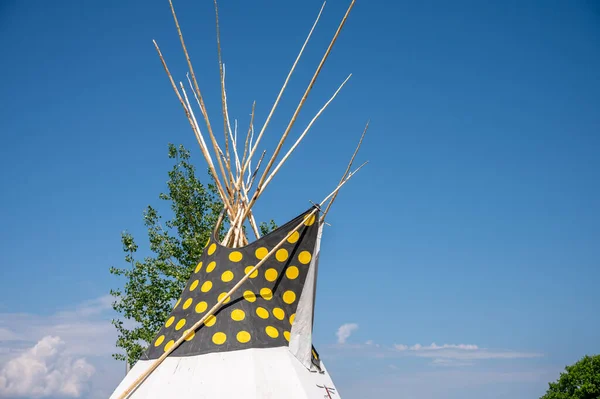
(579, 381)
(153, 284)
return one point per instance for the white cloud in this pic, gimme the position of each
(459, 352)
(344, 332)
(87, 334)
(450, 363)
(45, 370)
(77, 327)
(446, 354)
(89, 308)
(482, 354)
(435, 347)
(372, 343)
(448, 383)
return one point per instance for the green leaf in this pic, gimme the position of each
(579, 381)
(152, 285)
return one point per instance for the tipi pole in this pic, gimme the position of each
(347, 169)
(250, 127)
(217, 306)
(259, 186)
(200, 99)
(198, 134)
(285, 83)
(286, 156)
(223, 96)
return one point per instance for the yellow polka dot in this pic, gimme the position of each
(177, 303)
(292, 318)
(211, 266)
(261, 252)
(293, 238)
(308, 221)
(271, 274)
(194, 285)
(289, 297)
(201, 307)
(180, 324)
(227, 276)
(210, 321)
(222, 295)
(249, 296)
(198, 267)
(281, 255)
(207, 242)
(238, 315)
(266, 293)
(170, 321)
(206, 286)
(279, 313)
(235, 256)
(286, 334)
(247, 270)
(219, 338)
(262, 312)
(272, 332)
(212, 248)
(243, 336)
(292, 272)
(188, 303)
(304, 257)
(159, 340)
(191, 336)
(169, 345)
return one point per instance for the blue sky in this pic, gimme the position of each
(476, 222)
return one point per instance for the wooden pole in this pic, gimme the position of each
(200, 99)
(286, 156)
(217, 306)
(187, 112)
(247, 138)
(285, 83)
(304, 97)
(347, 169)
(227, 130)
(298, 108)
(223, 98)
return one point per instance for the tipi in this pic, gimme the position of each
(242, 327)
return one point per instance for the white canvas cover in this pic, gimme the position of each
(272, 373)
(280, 365)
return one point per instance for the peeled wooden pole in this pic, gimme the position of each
(223, 97)
(304, 97)
(227, 127)
(253, 176)
(285, 83)
(200, 99)
(286, 156)
(218, 305)
(233, 137)
(248, 138)
(242, 194)
(347, 169)
(259, 186)
(198, 134)
(244, 201)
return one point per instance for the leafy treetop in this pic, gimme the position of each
(153, 284)
(579, 381)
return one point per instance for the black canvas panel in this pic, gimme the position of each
(261, 312)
